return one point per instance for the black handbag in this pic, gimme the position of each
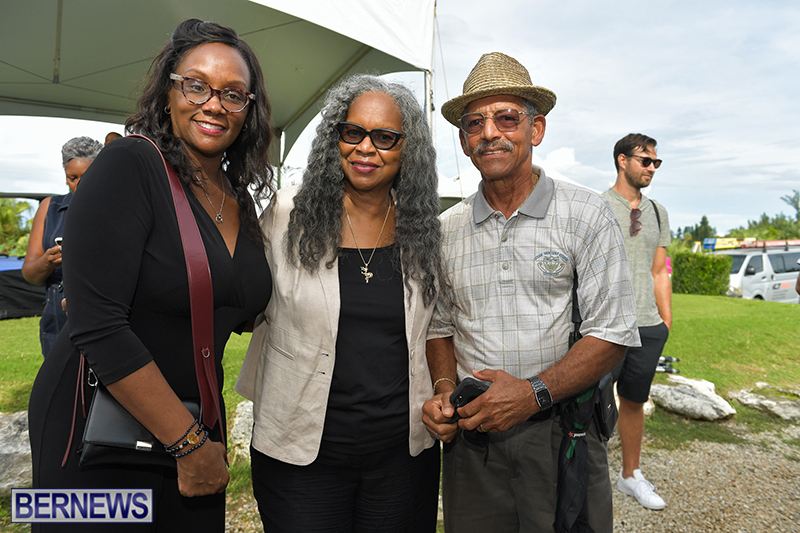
(112, 435)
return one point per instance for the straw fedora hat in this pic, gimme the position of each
(498, 73)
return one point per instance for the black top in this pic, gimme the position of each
(368, 402)
(128, 300)
(125, 272)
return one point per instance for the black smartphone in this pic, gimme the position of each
(467, 390)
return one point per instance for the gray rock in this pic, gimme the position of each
(15, 452)
(692, 398)
(786, 409)
(242, 431)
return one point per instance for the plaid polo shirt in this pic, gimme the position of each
(512, 279)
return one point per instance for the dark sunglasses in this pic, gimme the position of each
(504, 120)
(647, 161)
(636, 224)
(382, 139)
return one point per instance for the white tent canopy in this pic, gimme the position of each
(84, 58)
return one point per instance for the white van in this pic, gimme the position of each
(764, 274)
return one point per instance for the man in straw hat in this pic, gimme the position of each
(513, 251)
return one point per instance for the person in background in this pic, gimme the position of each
(42, 264)
(646, 236)
(111, 137)
(205, 106)
(336, 366)
(512, 252)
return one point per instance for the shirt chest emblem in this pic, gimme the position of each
(551, 263)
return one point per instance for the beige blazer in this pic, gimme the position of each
(289, 364)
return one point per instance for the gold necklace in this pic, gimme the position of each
(365, 269)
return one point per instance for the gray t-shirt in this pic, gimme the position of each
(640, 249)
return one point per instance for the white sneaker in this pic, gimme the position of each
(641, 489)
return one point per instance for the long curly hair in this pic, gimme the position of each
(246, 162)
(315, 223)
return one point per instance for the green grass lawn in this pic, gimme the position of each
(733, 343)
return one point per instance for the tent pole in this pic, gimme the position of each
(57, 58)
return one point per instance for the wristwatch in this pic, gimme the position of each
(543, 397)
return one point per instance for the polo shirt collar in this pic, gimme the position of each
(535, 205)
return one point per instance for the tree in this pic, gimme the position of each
(768, 229)
(700, 231)
(794, 201)
(14, 231)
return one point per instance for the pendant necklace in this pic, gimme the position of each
(365, 269)
(218, 219)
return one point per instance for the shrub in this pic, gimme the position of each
(701, 273)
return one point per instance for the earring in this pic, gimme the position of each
(244, 128)
(167, 110)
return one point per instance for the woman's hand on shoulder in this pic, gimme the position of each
(204, 471)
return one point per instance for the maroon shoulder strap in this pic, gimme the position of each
(201, 297)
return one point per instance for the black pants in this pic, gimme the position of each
(388, 491)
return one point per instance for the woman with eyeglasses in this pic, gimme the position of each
(336, 367)
(205, 106)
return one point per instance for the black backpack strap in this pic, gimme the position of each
(575, 336)
(658, 216)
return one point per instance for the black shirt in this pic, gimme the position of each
(368, 402)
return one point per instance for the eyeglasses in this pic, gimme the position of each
(199, 92)
(504, 120)
(381, 138)
(647, 161)
(636, 224)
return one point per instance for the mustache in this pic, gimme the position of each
(493, 145)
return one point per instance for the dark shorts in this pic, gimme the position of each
(634, 374)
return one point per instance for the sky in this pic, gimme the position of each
(711, 81)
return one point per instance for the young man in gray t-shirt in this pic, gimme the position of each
(645, 227)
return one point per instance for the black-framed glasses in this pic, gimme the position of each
(199, 92)
(381, 138)
(504, 120)
(647, 161)
(636, 224)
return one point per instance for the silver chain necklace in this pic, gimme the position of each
(218, 219)
(365, 269)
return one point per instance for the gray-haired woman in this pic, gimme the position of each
(42, 264)
(337, 366)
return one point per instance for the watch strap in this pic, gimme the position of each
(542, 393)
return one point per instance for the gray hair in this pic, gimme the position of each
(80, 148)
(530, 109)
(315, 223)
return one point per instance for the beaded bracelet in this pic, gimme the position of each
(440, 380)
(193, 448)
(191, 439)
(182, 436)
